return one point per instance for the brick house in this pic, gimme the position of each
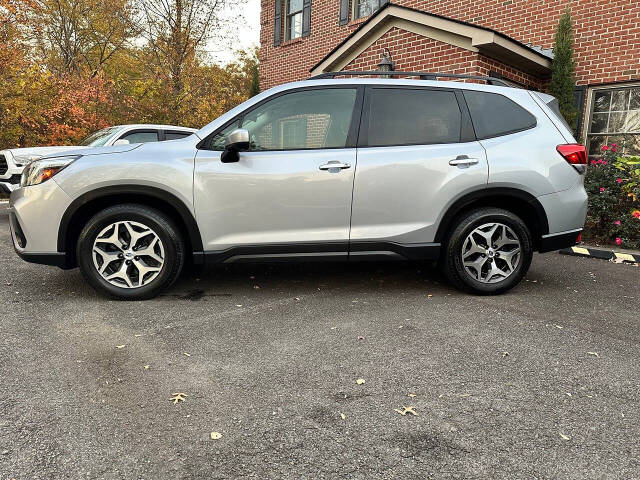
(509, 39)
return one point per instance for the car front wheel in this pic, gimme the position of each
(488, 251)
(130, 252)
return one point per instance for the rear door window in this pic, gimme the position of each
(494, 115)
(413, 116)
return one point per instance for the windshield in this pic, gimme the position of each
(99, 138)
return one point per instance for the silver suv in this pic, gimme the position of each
(475, 176)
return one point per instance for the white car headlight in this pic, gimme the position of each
(42, 170)
(20, 160)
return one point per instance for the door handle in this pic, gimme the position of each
(334, 166)
(463, 161)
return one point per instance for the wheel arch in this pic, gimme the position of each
(519, 202)
(88, 204)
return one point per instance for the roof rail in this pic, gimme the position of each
(421, 75)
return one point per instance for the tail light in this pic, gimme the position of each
(574, 153)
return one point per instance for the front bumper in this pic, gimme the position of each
(34, 218)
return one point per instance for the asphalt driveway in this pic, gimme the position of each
(542, 382)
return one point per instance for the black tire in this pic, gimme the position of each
(165, 229)
(451, 258)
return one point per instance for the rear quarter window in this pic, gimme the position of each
(494, 115)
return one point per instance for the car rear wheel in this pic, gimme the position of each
(130, 252)
(488, 251)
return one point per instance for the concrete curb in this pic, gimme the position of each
(601, 254)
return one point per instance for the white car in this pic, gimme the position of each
(12, 161)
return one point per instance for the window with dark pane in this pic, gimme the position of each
(615, 118)
(413, 117)
(494, 115)
(294, 19)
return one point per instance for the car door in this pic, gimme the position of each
(417, 153)
(291, 192)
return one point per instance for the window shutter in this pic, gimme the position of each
(306, 18)
(344, 12)
(277, 23)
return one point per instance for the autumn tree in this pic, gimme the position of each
(81, 36)
(176, 33)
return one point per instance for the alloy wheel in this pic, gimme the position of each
(128, 254)
(491, 253)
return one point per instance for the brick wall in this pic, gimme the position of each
(607, 34)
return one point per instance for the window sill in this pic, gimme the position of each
(357, 21)
(287, 43)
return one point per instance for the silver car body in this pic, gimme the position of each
(13, 160)
(274, 203)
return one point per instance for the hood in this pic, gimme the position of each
(85, 151)
(41, 151)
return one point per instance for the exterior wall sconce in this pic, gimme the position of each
(386, 64)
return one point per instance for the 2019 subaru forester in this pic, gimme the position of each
(476, 176)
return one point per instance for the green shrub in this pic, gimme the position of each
(613, 186)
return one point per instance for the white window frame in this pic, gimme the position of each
(354, 10)
(591, 91)
(288, 16)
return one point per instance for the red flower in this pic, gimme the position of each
(601, 189)
(605, 148)
(614, 148)
(635, 214)
(619, 180)
(618, 241)
(617, 222)
(604, 163)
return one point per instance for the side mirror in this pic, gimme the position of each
(122, 141)
(236, 141)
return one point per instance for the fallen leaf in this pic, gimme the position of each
(186, 354)
(405, 410)
(564, 437)
(343, 416)
(239, 305)
(360, 338)
(120, 346)
(146, 367)
(179, 397)
(505, 354)
(216, 435)
(138, 335)
(559, 326)
(429, 296)
(595, 354)
(568, 394)
(412, 395)
(360, 381)
(256, 287)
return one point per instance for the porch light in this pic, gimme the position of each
(386, 64)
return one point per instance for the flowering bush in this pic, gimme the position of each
(613, 185)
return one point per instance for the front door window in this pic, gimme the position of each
(308, 119)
